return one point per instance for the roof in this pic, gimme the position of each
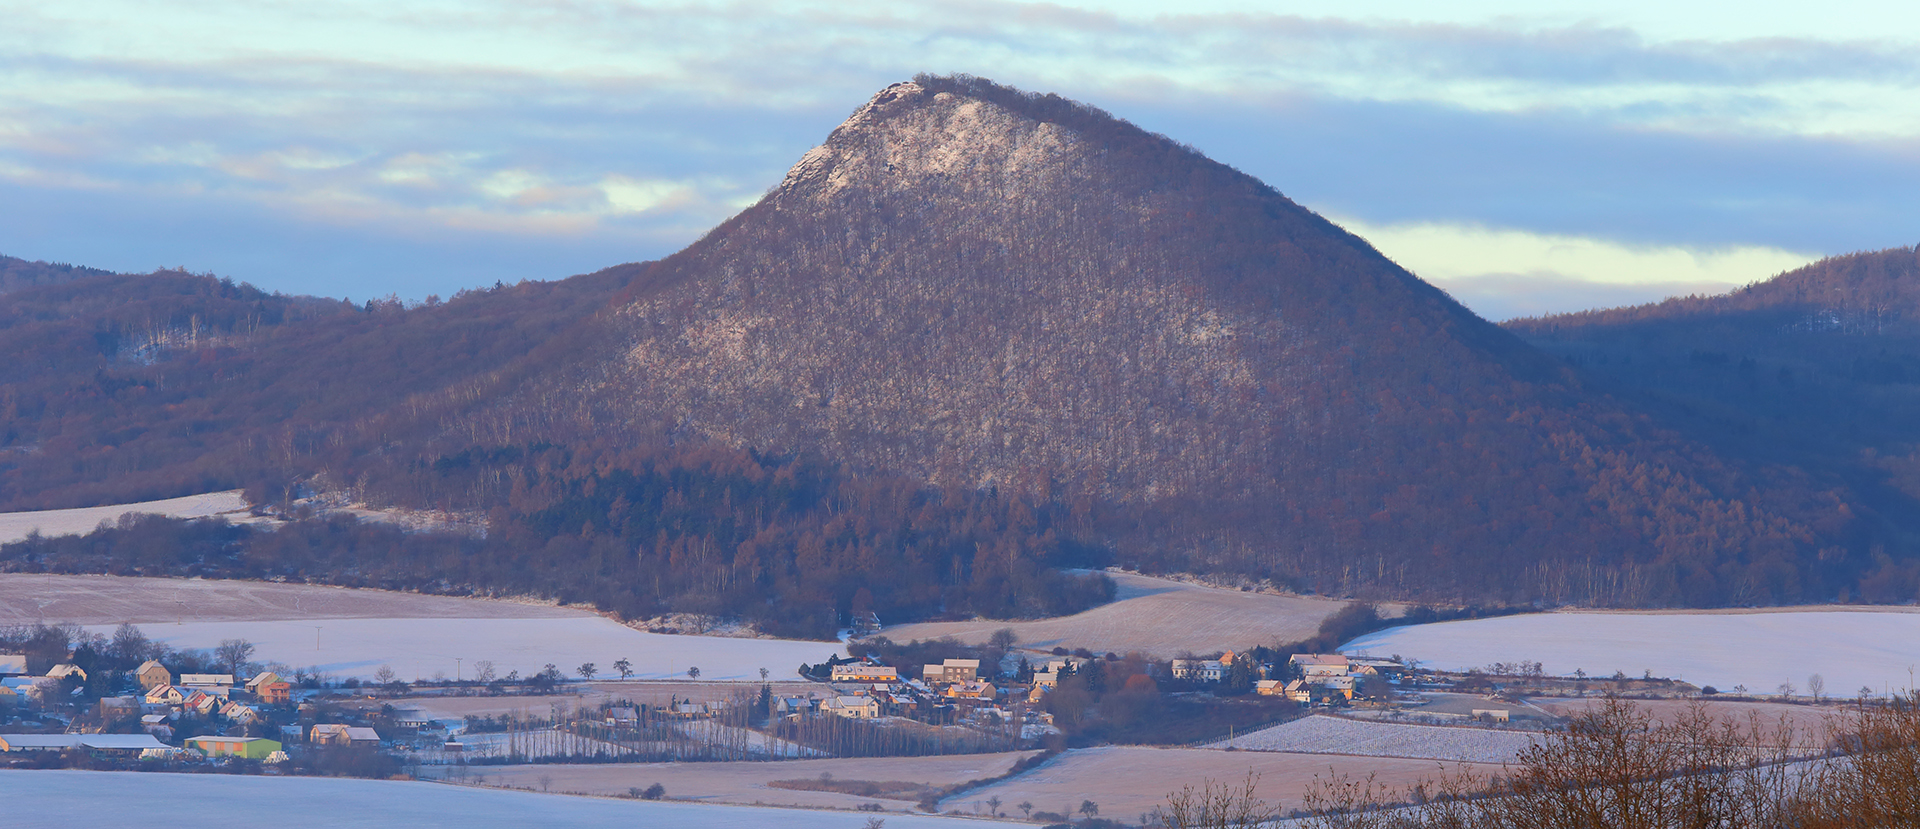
(228, 740)
(206, 679)
(961, 663)
(128, 742)
(13, 663)
(1319, 659)
(149, 664)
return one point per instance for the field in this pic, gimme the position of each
(60, 799)
(352, 633)
(1810, 723)
(601, 691)
(748, 782)
(1128, 781)
(1878, 650)
(1336, 735)
(1158, 617)
(16, 525)
(110, 600)
(429, 648)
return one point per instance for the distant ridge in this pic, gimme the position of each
(16, 274)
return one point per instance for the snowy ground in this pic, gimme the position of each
(426, 648)
(1335, 735)
(1760, 650)
(61, 799)
(15, 525)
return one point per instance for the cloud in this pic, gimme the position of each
(629, 128)
(1502, 273)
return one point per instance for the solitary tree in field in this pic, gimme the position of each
(587, 670)
(693, 673)
(1786, 689)
(483, 671)
(1004, 639)
(233, 654)
(1817, 686)
(993, 805)
(384, 675)
(1089, 808)
(1026, 809)
(624, 667)
(763, 674)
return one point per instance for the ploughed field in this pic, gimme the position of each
(1157, 617)
(753, 782)
(1878, 649)
(1126, 781)
(63, 798)
(1337, 735)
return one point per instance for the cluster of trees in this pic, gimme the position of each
(786, 544)
(110, 659)
(1617, 766)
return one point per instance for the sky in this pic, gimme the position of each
(1529, 157)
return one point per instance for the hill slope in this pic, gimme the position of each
(1818, 367)
(984, 287)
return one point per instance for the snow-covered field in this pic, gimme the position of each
(1879, 650)
(1160, 617)
(425, 648)
(1335, 735)
(15, 525)
(63, 799)
(102, 600)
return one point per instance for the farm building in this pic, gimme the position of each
(216, 684)
(62, 742)
(1317, 665)
(13, 664)
(64, 671)
(865, 673)
(252, 748)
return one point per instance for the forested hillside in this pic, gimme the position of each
(1818, 368)
(16, 274)
(998, 333)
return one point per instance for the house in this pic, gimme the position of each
(276, 693)
(13, 664)
(623, 715)
(8, 696)
(794, 707)
(1270, 687)
(1342, 685)
(152, 674)
(202, 703)
(334, 734)
(853, 708)
(1048, 675)
(67, 670)
(24, 687)
(113, 708)
(953, 670)
(156, 724)
(1213, 670)
(972, 690)
(260, 679)
(1314, 665)
(239, 713)
(865, 673)
(166, 695)
(252, 748)
(1299, 692)
(1186, 668)
(61, 742)
(689, 710)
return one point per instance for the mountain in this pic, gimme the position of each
(975, 335)
(988, 288)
